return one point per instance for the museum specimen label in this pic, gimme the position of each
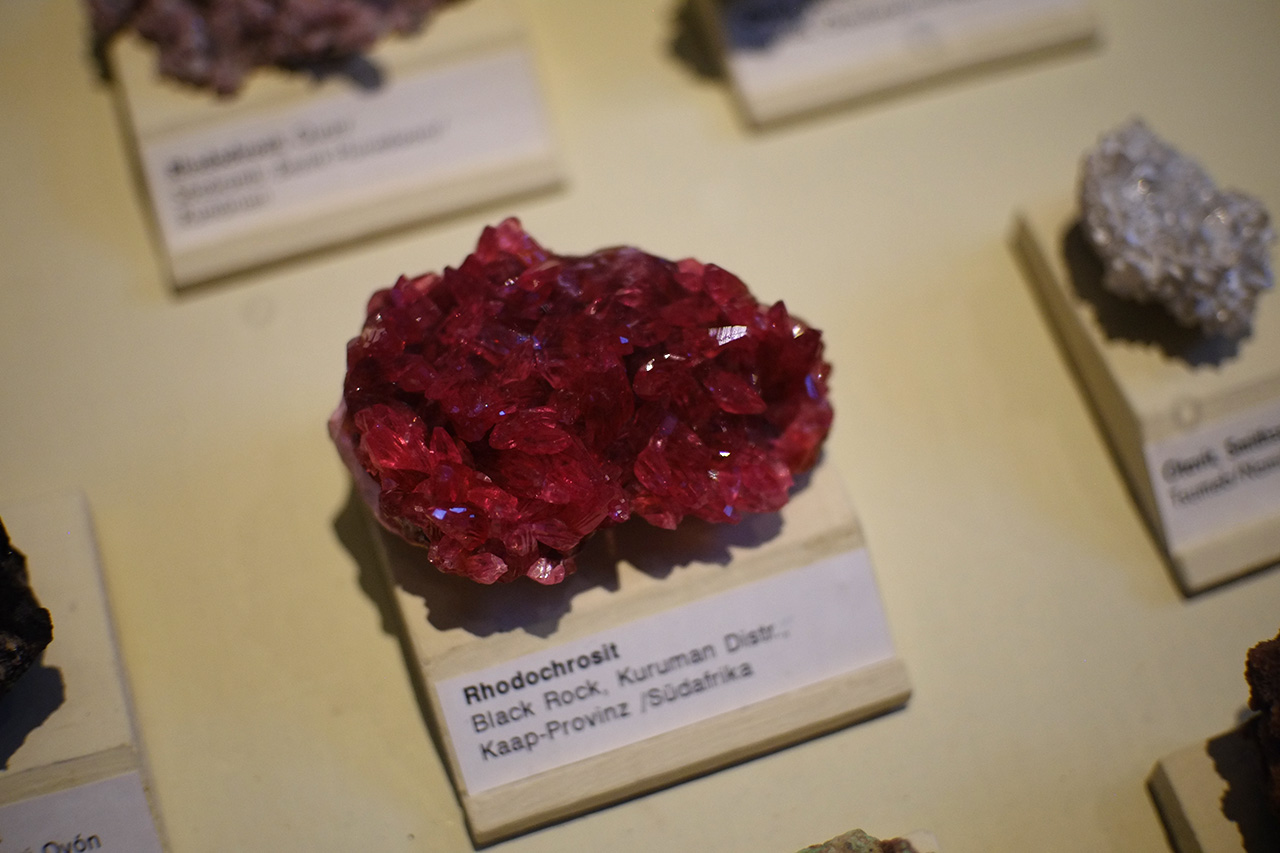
(219, 182)
(425, 126)
(1214, 478)
(110, 815)
(659, 673)
(664, 657)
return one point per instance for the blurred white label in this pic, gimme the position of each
(787, 55)
(657, 674)
(1219, 477)
(110, 815)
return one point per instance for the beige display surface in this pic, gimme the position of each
(1149, 394)
(1052, 660)
(293, 164)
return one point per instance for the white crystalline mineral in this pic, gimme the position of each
(1167, 234)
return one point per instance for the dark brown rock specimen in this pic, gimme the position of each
(1262, 671)
(25, 626)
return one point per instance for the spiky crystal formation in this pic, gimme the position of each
(501, 412)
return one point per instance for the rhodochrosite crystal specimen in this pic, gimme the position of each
(501, 412)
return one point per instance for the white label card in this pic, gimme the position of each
(665, 671)
(444, 123)
(1218, 477)
(110, 815)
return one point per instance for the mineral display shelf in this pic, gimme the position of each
(1212, 797)
(1053, 662)
(788, 59)
(453, 119)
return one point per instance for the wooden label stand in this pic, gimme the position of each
(1193, 422)
(292, 164)
(669, 654)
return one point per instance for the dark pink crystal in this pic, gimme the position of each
(502, 412)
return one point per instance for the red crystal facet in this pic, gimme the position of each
(502, 412)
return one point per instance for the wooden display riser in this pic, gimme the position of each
(292, 164)
(699, 598)
(1193, 422)
(795, 58)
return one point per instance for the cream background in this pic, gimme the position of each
(1052, 658)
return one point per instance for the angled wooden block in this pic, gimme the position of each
(71, 755)
(1194, 423)
(669, 654)
(1212, 797)
(292, 164)
(785, 59)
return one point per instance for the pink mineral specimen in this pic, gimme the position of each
(215, 43)
(502, 412)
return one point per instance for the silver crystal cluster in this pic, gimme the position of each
(1167, 234)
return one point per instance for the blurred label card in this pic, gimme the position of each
(1218, 477)
(217, 182)
(110, 815)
